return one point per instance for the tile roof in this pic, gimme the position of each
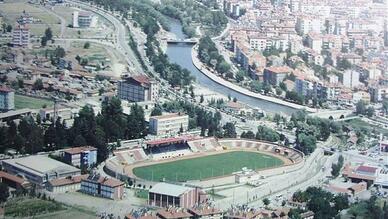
(78, 150)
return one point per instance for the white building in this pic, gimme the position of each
(21, 36)
(307, 24)
(351, 78)
(84, 19)
(169, 124)
(6, 99)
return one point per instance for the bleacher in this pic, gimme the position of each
(205, 144)
(130, 156)
(291, 154)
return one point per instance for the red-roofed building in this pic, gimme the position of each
(13, 181)
(275, 75)
(68, 184)
(138, 88)
(102, 186)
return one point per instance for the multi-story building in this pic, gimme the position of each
(102, 186)
(307, 24)
(21, 36)
(169, 124)
(275, 75)
(351, 78)
(138, 88)
(81, 156)
(84, 19)
(6, 99)
(314, 41)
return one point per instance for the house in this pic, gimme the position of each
(275, 75)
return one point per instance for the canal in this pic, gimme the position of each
(181, 54)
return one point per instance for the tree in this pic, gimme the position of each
(223, 67)
(266, 202)
(48, 33)
(361, 108)
(229, 130)
(248, 135)
(136, 125)
(306, 143)
(87, 45)
(38, 84)
(201, 99)
(43, 41)
(156, 111)
(9, 28)
(370, 112)
(4, 192)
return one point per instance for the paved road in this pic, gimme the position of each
(121, 36)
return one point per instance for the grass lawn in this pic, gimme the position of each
(141, 193)
(206, 167)
(13, 9)
(22, 102)
(22, 207)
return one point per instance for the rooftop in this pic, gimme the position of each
(169, 189)
(366, 169)
(103, 180)
(174, 213)
(168, 116)
(68, 180)
(40, 165)
(279, 69)
(78, 150)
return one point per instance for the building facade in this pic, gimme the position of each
(138, 88)
(39, 169)
(169, 124)
(275, 75)
(102, 186)
(81, 156)
(21, 36)
(7, 101)
(165, 195)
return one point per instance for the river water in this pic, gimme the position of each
(181, 54)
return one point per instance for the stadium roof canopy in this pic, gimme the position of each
(169, 189)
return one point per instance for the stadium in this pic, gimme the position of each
(192, 159)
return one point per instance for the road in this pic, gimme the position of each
(121, 36)
(313, 173)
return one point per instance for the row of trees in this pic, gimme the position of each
(111, 125)
(208, 54)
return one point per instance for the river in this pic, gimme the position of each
(181, 54)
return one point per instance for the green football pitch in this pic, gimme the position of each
(207, 166)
